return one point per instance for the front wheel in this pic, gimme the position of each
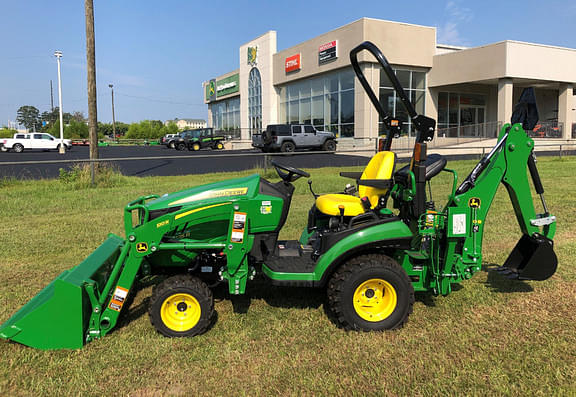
(18, 148)
(181, 306)
(371, 293)
(195, 146)
(181, 146)
(219, 146)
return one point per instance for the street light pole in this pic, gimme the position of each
(113, 118)
(58, 55)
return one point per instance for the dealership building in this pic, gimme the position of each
(469, 91)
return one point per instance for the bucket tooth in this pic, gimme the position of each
(58, 316)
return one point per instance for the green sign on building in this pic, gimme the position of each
(211, 90)
(228, 85)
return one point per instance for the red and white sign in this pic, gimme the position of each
(327, 46)
(327, 52)
(293, 63)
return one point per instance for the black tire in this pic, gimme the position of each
(287, 147)
(18, 148)
(195, 146)
(329, 145)
(186, 295)
(219, 146)
(181, 146)
(349, 288)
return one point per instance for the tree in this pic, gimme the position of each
(29, 116)
(147, 129)
(49, 118)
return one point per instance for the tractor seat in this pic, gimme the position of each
(435, 163)
(373, 183)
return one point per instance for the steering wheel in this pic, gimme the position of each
(291, 173)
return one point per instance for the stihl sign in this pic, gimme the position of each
(293, 63)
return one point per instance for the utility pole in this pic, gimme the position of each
(51, 97)
(91, 66)
(62, 149)
(113, 118)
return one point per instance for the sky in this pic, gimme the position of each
(158, 53)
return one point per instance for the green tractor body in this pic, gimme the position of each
(370, 258)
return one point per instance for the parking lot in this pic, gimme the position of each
(147, 163)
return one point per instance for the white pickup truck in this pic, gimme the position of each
(32, 140)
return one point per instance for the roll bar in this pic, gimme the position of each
(424, 125)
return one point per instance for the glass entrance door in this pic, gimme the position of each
(472, 119)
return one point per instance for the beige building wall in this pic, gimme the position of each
(266, 48)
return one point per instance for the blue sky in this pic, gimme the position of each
(158, 53)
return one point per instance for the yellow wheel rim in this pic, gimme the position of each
(220, 146)
(180, 312)
(196, 146)
(375, 300)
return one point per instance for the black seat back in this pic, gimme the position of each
(435, 163)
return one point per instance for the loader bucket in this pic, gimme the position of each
(533, 258)
(58, 316)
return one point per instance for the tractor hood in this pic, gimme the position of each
(212, 192)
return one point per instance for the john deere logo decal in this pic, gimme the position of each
(142, 247)
(474, 202)
(252, 55)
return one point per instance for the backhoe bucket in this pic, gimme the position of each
(533, 258)
(58, 316)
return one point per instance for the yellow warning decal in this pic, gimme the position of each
(142, 247)
(239, 191)
(474, 202)
(198, 210)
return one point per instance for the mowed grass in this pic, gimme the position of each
(490, 336)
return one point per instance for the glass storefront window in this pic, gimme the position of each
(226, 116)
(414, 84)
(255, 101)
(327, 102)
(458, 109)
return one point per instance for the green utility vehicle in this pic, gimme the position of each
(370, 259)
(201, 138)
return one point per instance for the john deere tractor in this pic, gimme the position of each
(369, 258)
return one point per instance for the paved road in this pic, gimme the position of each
(205, 161)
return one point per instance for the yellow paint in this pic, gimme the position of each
(375, 300)
(240, 191)
(381, 167)
(198, 210)
(180, 312)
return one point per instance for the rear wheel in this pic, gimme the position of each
(18, 148)
(371, 293)
(287, 147)
(329, 145)
(181, 306)
(195, 146)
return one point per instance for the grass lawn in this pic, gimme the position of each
(490, 336)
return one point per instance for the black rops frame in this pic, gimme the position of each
(424, 125)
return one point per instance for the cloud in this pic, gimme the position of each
(456, 15)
